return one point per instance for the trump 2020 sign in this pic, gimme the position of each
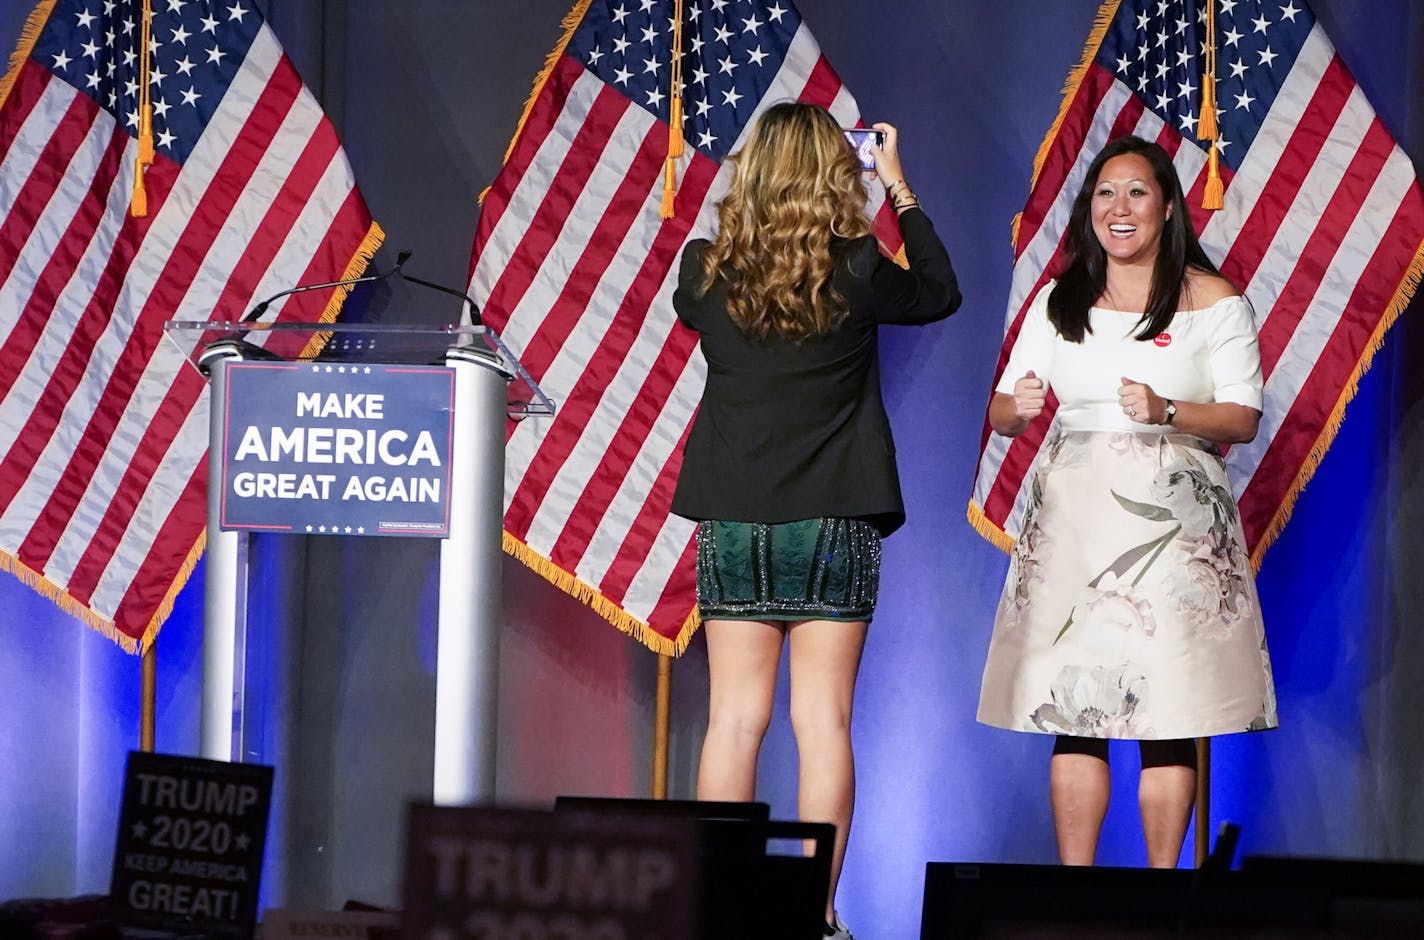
(320, 448)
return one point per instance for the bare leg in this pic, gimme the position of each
(1165, 793)
(1079, 786)
(741, 666)
(825, 656)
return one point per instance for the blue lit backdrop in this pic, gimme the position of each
(426, 94)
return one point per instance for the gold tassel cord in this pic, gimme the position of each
(675, 141)
(139, 207)
(1214, 192)
(1206, 125)
(1207, 128)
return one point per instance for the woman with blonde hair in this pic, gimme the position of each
(789, 469)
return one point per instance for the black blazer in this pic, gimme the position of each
(788, 430)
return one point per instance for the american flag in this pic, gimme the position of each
(1322, 224)
(574, 267)
(103, 424)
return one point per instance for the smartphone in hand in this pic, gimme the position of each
(861, 140)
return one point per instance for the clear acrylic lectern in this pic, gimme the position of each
(489, 386)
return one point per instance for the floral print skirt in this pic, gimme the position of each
(1130, 610)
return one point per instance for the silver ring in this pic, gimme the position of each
(1130, 412)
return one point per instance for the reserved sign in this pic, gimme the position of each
(504, 874)
(318, 448)
(190, 842)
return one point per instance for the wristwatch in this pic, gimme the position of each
(1170, 413)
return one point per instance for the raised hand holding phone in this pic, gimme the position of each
(862, 140)
(885, 154)
(889, 170)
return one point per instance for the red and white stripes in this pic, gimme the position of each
(576, 271)
(104, 440)
(1321, 223)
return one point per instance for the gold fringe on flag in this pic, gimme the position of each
(991, 532)
(605, 607)
(566, 581)
(29, 35)
(75, 607)
(1104, 19)
(1409, 283)
(674, 116)
(1402, 295)
(571, 22)
(81, 611)
(1207, 129)
(1106, 12)
(364, 253)
(150, 632)
(139, 207)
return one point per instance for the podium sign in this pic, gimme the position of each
(317, 448)
(379, 453)
(483, 872)
(189, 850)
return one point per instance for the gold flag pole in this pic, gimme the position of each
(138, 208)
(1208, 131)
(149, 694)
(1202, 811)
(662, 718)
(663, 713)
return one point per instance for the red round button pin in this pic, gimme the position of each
(1163, 339)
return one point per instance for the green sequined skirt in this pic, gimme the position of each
(814, 569)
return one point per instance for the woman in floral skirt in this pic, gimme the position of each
(1130, 610)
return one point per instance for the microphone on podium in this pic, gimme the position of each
(474, 309)
(256, 312)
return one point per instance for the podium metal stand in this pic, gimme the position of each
(490, 386)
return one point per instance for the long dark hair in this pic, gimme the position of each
(1085, 276)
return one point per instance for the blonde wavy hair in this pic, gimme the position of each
(796, 186)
